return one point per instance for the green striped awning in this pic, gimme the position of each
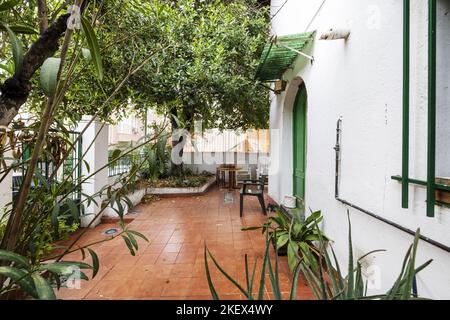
(280, 54)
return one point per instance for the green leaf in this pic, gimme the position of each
(54, 217)
(57, 268)
(88, 167)
(350, 259)
(73, 209)
(49, 74)
(9, 4)
(133, 241)
(282, 240)
(129, 245)
(14, 257)
(297, 270)
(20, 277)
(16, 48)
(95, 262)
(208, 276)
(7, 69)
(140, 235)
(116, 154)
(292, 254)
(43, 289)
(94, 48)
(227, 275)
(22, 29)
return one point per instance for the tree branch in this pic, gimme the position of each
(43, 15)
(15, 90)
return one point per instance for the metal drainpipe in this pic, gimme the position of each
(338, 149)
(431, 155)
(406, 87)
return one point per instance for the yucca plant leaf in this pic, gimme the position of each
(237, 285)
(274, 282)
(43, 288)
(262, 281)
(16, 258)
(252, 279)
(208, 276)
(91, 39)
(350, 275)
(293, 295)
(394, 290)
(313, 283)
(247, 277)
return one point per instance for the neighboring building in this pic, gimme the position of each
(358, 82)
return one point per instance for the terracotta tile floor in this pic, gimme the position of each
(171, 264)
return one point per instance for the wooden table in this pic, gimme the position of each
(231, 175)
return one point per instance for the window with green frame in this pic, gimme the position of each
(438, 135)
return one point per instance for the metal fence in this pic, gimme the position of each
(70, 170)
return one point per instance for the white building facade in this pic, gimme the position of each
(358, 82)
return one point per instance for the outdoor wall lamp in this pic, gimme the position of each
(335, 34)
(279, 86)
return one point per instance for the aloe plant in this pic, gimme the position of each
(338, 287)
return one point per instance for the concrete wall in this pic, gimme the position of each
(360, 81)
(97, 157)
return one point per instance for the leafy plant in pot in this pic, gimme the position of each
(294, 238)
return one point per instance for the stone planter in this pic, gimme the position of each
(135, 198)
(182, 191)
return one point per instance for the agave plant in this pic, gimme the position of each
(296, 237)
(327, 282)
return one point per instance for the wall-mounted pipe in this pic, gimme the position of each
(431, 154)
(406, 87)
(338, 149)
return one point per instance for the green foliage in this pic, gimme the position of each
(295, 237)
(339, 287)
(158, 158)
(36, 280)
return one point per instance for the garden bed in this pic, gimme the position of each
(189, 186)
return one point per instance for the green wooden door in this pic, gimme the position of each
(299, 139)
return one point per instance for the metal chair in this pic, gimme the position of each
(254, 188)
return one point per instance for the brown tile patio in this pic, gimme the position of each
(171, 264)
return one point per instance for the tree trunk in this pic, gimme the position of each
(176, 169)
(15, 90)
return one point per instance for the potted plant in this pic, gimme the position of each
(295, 238)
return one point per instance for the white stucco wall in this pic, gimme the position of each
(360, 81)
